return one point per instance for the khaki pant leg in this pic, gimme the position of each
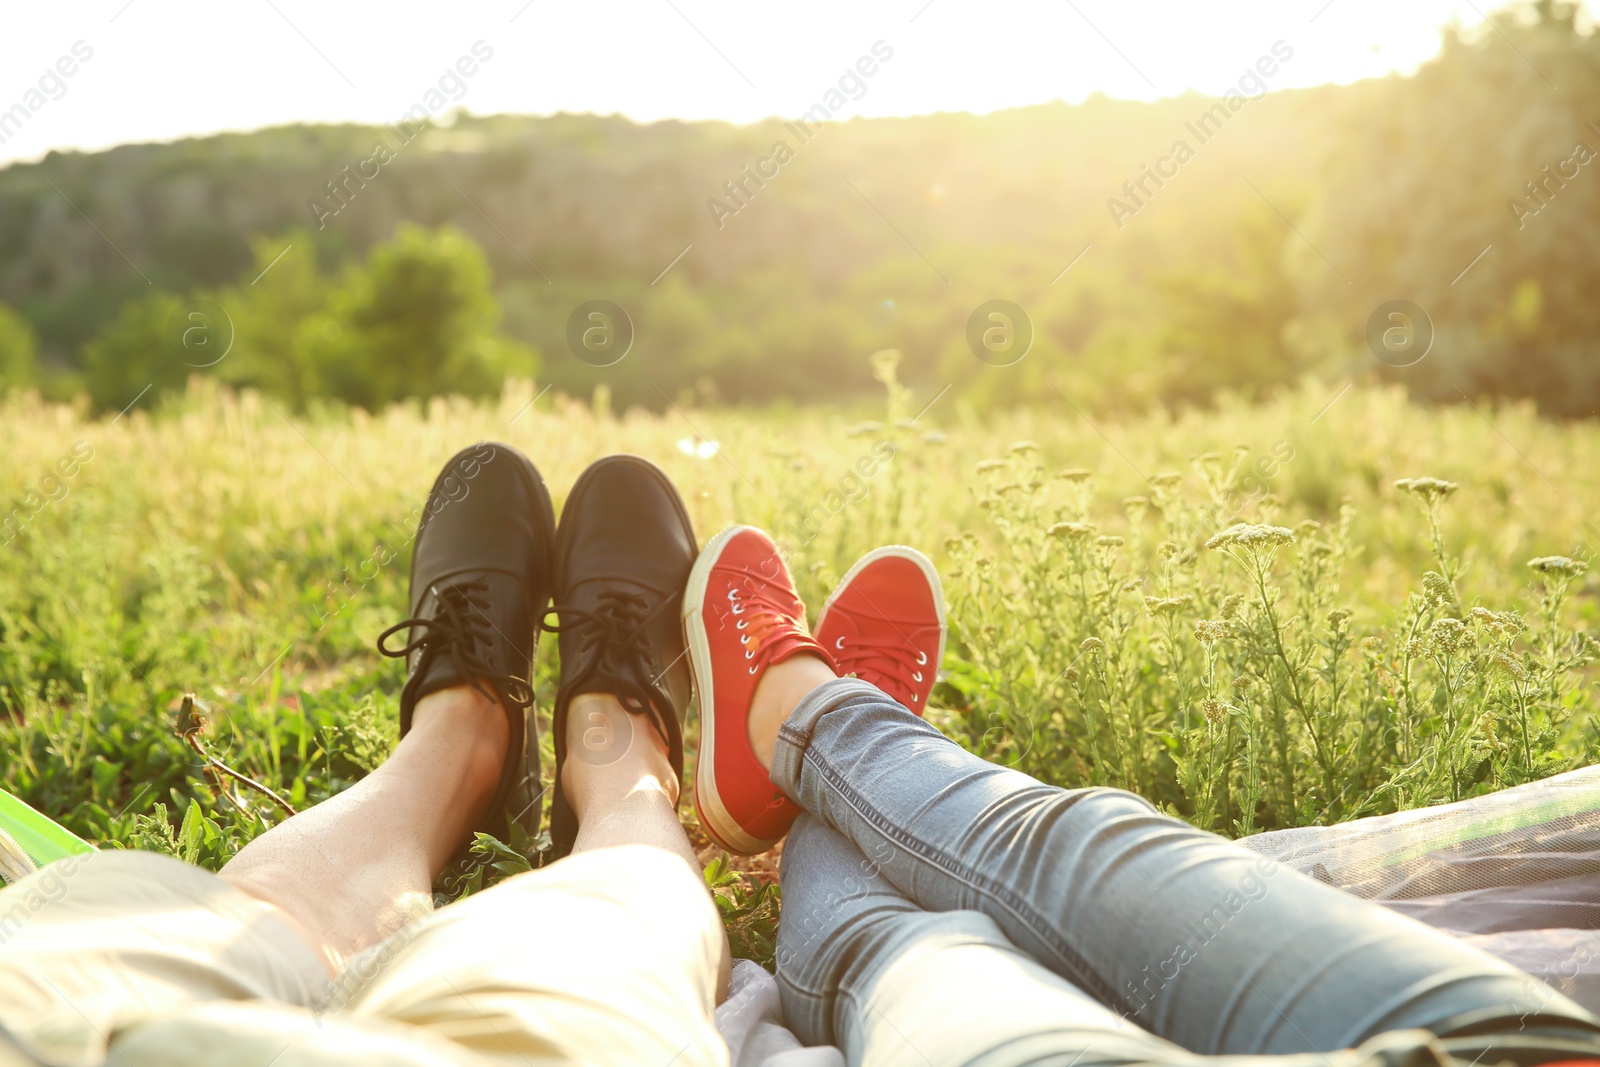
(90, 944)
(606, 957)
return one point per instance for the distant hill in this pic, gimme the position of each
(1259, 256)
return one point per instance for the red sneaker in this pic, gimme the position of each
(884, 623)
(740, 614)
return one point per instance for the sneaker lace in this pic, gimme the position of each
(890, 663)
(461, 629)
(614, 642)
(770, 621)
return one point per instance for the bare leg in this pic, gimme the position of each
(355, 868)
(631, 800)
(781, 687)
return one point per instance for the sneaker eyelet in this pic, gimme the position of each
(733, 594)
(917, 677)
(839, 644)
(737, 609)
(751, 654)
(741, 624)
(752, 668)
(922, 659)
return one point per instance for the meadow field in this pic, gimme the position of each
(1236, 612)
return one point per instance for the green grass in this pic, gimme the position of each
(206, 548)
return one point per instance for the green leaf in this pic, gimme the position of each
(718, 873)
(192, 833)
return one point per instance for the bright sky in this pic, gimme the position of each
(165, 69)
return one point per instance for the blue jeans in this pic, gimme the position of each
(938, 909)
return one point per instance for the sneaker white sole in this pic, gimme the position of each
(714, 816)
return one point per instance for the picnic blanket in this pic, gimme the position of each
(1516, 873)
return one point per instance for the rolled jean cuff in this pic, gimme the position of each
(794, 737)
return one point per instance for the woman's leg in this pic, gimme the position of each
(862, 967)
(1198, 940)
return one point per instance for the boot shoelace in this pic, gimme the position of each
(890, 663)
(461, 629)
(762, 619)
(614, 642)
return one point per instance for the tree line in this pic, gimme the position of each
(1466, 191)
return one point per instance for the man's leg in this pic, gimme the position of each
(1200, 941)
(140, 946)
(121, 936)
(360, 865)
(135, 947)
(354, 869)
(613, 955)
(633, 801)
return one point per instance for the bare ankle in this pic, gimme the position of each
(611, 754)
(462, 721)
(782, 687)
